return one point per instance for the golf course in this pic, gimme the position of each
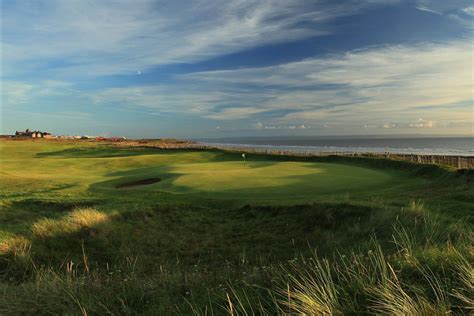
(96, 228)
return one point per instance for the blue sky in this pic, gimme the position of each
(238, 68)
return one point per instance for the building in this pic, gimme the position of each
(33, 134)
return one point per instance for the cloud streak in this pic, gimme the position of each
(94, 38)
(355, 88)
(375, 82)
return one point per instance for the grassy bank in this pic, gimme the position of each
(214, 236)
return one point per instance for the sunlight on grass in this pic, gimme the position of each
(17, 246)
(274, 179)
(465, 272)
(417, 207)
(75, 221)
(313, 291)
(87, 217)
(231, 175)
(369, 283)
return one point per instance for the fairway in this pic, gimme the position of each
(64, 169)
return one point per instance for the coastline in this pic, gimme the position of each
(457, 161)
(346, 149)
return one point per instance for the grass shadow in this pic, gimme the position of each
(18, 216)
(97, 152)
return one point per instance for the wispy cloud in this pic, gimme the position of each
(116, 37)
(443, 6)
(374, 82)
(469, 10)
(357, 88)
(375, 86)
(460, 11)
(19, 92)
(234, 113)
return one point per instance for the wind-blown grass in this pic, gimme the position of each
(359, 283)
(78, 219)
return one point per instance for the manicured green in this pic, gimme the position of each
(64, 169)
(216, 232)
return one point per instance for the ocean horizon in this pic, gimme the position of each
(427, 145)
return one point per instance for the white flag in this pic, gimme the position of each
(243, 156)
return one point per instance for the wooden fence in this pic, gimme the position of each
(460, 162)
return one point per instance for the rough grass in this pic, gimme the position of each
(78, 219)
(282, 236)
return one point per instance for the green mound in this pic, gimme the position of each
(277, 180)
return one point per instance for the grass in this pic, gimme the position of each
(280, 235)
(65, 170)
(77, 220)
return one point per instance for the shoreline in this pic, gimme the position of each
(342, 149)
(457, 161)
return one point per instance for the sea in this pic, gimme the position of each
(459, 146)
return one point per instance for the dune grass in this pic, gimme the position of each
(280, 235)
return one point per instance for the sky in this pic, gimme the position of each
(217, 68)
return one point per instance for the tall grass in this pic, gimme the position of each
(372, 282)
(465, 293)
(15, 260)
(367, 284)
(419, 270)
(82, 218)
(311, 290)
(413, 267)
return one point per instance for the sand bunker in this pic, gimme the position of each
(138, 183)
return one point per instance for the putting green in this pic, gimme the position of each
(76, 169)
(276, 180)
